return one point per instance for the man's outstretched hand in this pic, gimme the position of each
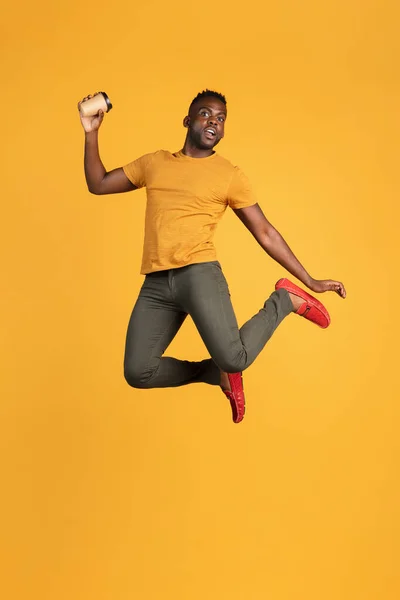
(327, 285)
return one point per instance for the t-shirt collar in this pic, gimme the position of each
(180, 155)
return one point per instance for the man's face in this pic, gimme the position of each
(206, 122)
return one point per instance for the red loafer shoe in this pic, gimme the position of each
(236, 396)
(311, 308)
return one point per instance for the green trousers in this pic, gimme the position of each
(201, 291)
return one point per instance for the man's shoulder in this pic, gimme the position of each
(148, 156)
(228, 164)
(161, 153)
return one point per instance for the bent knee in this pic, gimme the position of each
(232, 364)
(137, 377)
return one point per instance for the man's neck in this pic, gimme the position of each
(190, 150)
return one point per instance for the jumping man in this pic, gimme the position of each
(187, 194)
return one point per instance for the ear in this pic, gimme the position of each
(186, 122)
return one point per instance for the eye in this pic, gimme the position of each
(221, 119)
(204, 113)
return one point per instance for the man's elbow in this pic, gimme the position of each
(97, 189)
(94, 191)
(269, 237)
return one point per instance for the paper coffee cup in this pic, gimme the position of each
(91, 107)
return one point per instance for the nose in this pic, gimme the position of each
(212, 120)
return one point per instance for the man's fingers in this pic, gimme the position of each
(83, 100)
(334, 286)
(340, 289)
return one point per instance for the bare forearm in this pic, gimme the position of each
(276, 247)
(94, 168)
(100, 181)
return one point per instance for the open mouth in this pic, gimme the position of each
(210, 133)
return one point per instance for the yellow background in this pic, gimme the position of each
(110, 493)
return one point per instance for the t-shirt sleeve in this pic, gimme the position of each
(240, 192)
(136, 170)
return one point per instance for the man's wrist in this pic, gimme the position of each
(91, 135)
(309, 281)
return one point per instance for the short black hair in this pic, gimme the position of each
(206, 94)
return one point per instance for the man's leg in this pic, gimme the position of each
(203, 293)
(155, 320)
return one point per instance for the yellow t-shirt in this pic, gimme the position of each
(186, 197)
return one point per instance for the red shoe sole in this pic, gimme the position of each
(312, 309)
(236, 396)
